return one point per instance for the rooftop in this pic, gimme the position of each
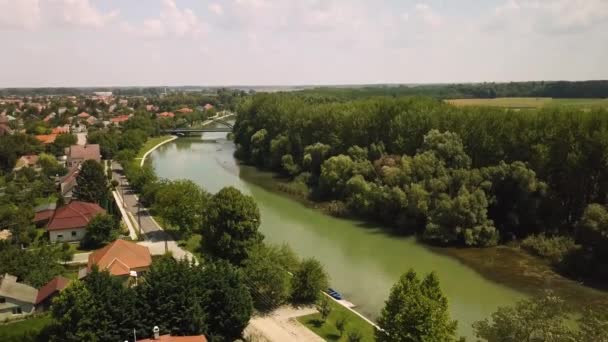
(10, 288)
(56, 284)
(120, 257)
(74, 215)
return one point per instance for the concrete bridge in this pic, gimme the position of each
(227, 127)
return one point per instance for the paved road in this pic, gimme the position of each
(149, 227)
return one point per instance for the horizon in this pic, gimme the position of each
(94, 43)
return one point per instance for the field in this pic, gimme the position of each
(531, 102)
(17, 330)
(328, 330)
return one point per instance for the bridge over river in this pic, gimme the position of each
(224, 127)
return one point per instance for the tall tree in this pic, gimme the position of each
(538, 319)
(231, 225)
(308, 281)
(416, 311)
(181, 204)
(99, 231)
(92, 183)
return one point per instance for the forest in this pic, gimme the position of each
(453, 176)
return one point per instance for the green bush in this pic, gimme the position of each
(553, 248)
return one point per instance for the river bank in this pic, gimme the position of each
(505, 264)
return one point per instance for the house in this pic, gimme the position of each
(16, 298)
(44, 213)
(185, 110)
(123, 102)
(5, 129)
(61, 110)
(121, 258)
(208, 106)
(49, 117)
(61, 129)
(119, 119)
(79, 153)
(70, 221)
(49, 291)
(151, 108)
(46, 138)
(26, 161)
(91, 120)
(84, 115)
(165, 115)
(168, 338)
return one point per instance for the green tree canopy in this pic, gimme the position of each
(416, 311)
(92, 183)
(231, 225)
(99, 231)
(308, 281)
(181, 204)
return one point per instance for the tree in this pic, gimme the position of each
(231, 225)
(99, 231)
(181, 204)
(172, 286)
(228, 301)
(537, 319)
(61, 142)
(354, 336)
(92, 183)
(324, 308)
(267, 279)
(448, 147)
(416, 311)
(308, 282)
(341, 324)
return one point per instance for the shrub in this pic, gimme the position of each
(553, 248)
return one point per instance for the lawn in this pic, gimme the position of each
(151, 143)
(530, 102)
(328, 330)
(192, 245)
(16, 330)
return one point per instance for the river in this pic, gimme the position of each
(362, 260)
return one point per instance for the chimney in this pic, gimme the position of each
(156, 332)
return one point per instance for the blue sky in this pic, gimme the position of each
(273, 42)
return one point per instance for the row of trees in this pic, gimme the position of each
(417, 310)
(469, 176)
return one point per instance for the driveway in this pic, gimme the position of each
(281, 325)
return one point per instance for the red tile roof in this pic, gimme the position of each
(46, 138)
(208, 106)
(61, 130)
(120, 257)
(84, 115)
(166, 115)
(120, 119)
(74, 215)
(56, 284)
(43, 215)
(185, 110)
(169, 338)
(84, 152)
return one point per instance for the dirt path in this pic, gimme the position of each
(281, 325)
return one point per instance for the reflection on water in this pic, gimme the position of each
(362, 260)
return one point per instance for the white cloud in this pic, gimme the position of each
(428, 15)
(20, 14)
(552, 17)
(79, 13)
(172, 21)
(216, 9)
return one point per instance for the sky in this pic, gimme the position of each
(68, 43)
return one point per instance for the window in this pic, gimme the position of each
(74, 233)
(17, 311)
(2, 300)
(59, 237)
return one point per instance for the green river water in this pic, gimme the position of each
(362, 260)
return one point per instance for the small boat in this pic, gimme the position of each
(334, 294)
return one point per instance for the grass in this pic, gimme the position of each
(150, 144)
(192, 245)
(328, 330)
(530, 102)
(16, 330)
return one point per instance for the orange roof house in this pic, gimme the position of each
(61, 129)
(84, 115)
(50, 290)
(119, 119)
(185, 110)
(69, 222)
(166, 115)
(208, 106)
(120, 258)
(46, 138)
